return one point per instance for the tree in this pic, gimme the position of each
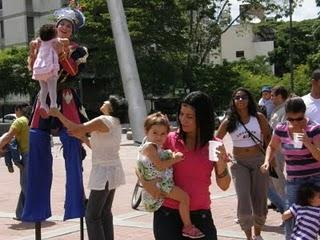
(15, 77)
(304, 41)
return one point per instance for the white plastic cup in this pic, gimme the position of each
(297, 143)
(212, 150)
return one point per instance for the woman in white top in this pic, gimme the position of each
(250, 184)
(107, 172)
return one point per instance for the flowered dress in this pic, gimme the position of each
(149, 172)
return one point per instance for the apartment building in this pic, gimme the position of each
(240, 41)
(21, 19)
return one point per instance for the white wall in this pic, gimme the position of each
(15, 30)
(241, 38)
(45, 5)
(15, 19)
(10, 7)
(262, 48)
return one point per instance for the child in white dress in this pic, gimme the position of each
(156, 163)
(46, 65)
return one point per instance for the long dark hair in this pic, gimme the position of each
(119, 108)
(306, 192)
(233, 116)
(203, 107)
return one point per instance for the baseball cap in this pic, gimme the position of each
(266, 89)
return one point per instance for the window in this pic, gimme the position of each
(0, 4)
(239, 54)
(1, 30)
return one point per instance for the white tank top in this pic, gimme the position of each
(241, 138)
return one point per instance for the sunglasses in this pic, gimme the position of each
(295, 119)
(243, 97)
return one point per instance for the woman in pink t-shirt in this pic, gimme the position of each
(193, 174)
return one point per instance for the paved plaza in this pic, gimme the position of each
(129, 224)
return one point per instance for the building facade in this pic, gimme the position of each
(240, 41)
(21, 19)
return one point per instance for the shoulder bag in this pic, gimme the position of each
(272, 171)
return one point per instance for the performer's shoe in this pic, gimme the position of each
(43, 113)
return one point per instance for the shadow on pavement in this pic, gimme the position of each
(27, 225)
(275, 229)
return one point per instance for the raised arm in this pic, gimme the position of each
(33, 50)
(151, 152)
(313, 147)
(79, 130)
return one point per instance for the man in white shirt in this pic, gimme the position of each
(312, 100)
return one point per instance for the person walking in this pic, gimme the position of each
(276, 193)
(248, 129)
(312, 99)
(19, 130)
(299, 140)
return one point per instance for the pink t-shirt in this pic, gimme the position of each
(193, 174)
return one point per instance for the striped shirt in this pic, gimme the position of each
(299, 161)
(307, 222)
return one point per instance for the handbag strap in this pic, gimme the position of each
(253, 137)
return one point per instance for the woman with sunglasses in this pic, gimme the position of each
(302, 163)
(247, 128)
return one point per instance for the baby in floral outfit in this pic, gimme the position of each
(156, 163)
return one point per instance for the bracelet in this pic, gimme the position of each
(223, 174)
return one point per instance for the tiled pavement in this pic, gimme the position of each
(129, 224)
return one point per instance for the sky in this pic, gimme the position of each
(308, 10)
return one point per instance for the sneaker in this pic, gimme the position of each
(272, 206)
(257, 238)
(192, 232)
(10, 169)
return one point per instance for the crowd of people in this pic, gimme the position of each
(275, 152)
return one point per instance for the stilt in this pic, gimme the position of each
(81, 229)
(38, 230)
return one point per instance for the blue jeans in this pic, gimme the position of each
(23, 184)
(275, 198)
(12, 154)
(293, 186)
